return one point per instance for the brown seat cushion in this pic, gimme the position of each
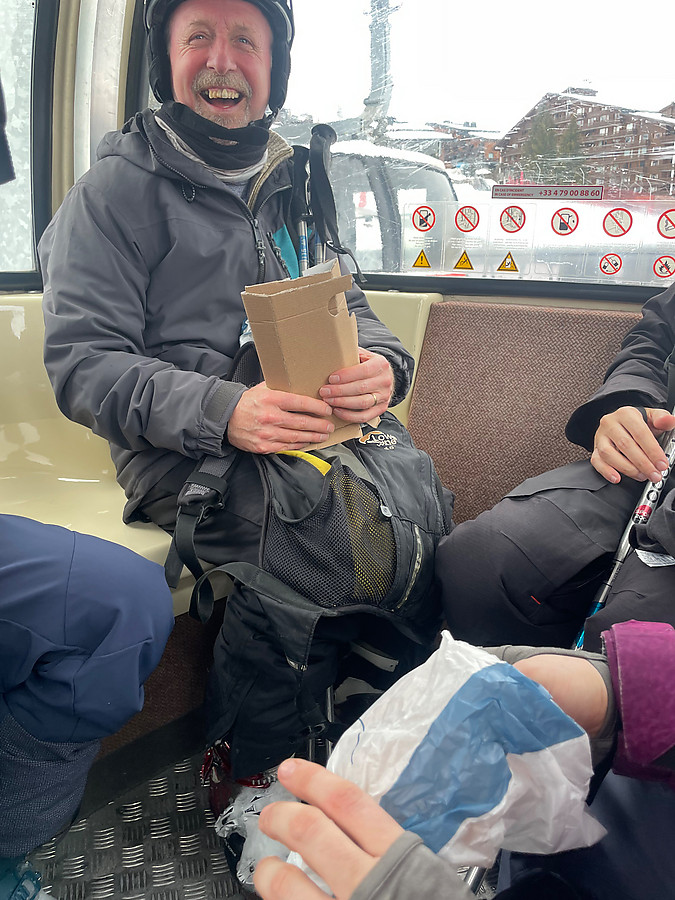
(495, 386)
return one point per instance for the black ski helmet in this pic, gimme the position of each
(279, 13)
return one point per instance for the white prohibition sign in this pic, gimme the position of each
(424, 218)
(564, 221)
(664, 266)
(512, 219)
(467, 219)
(610, 263)
(617, 222)
(666, 224)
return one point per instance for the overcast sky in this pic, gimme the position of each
(489, 68)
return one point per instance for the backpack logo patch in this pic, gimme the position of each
(379, 439)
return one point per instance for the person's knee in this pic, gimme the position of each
(465, 559)
(486, 579)
(117, 597)
(119, 615)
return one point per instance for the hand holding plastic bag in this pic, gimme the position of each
(473, 756)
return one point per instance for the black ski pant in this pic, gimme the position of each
(527, 571)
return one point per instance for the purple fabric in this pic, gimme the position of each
(641, 657)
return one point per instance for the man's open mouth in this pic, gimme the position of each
(222, 98)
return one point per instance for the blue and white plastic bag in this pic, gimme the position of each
(473, 756)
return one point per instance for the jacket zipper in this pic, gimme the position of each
(278, 253)
(259, 242)
(260, 247)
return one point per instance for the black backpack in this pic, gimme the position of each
(348, 530)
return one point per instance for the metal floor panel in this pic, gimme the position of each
(154, 842)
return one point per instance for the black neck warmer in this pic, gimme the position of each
(249, 143)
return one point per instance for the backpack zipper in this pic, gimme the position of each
(417, 565)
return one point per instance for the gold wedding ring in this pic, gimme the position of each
(374, 399)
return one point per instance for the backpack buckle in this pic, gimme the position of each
(199, 501)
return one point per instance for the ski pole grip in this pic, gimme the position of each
(323, 138)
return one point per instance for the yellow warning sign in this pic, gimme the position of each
(508, 264)
(463, 262)
(422, 262)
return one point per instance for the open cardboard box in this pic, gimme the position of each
(304, 332)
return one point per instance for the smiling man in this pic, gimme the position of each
(144, 265)
(221, 59)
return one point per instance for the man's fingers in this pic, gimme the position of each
(360, 416)
(608, 472)
(354, 811)
(265, 421)
(325, 847)
(298, 403)
(262, 399)
(276, 880)
(371, 366)
(356, 393)
(352, 387)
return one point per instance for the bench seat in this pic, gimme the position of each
(51, 469)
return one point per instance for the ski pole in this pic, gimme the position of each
(323, 207)
(646, 505)
(300, 211)
(323, 137)
(474, 878)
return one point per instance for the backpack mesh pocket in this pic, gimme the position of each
(342, 552)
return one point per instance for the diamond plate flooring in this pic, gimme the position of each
(153, 842)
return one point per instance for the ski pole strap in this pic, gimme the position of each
(204, 493)
(643, 413)
(323, 201)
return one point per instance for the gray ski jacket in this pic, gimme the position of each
(143, 266)
(410, 870)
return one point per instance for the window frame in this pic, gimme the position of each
(41, 136)
(42, 69)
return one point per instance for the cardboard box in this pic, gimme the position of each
(304, 332)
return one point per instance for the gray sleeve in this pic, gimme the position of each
(94, 305)
(410, 870)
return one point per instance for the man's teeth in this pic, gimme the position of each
(222, 94)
